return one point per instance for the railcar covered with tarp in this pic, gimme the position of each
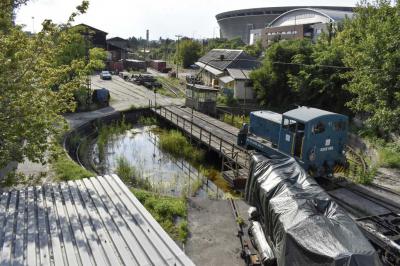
(301, 223)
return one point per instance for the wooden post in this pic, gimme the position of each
(201, 131)
(209, 141)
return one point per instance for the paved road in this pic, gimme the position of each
(124, 95)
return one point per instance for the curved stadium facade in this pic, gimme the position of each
(239, 23)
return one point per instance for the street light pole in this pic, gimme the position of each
(177, 54)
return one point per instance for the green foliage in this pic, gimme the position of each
(147, 120)
(235, 43)
(235, 120)
(389, 156)
(66, 169)
(37, 84)
(125, 171)
(176, 144)
(188, 52)
(227, 100)
(166, 210)
(370, 44)
(271, 81)
(14, 178)
(255, 49)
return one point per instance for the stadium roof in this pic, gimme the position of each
(274, 10)
(96, 221)
(298, 16)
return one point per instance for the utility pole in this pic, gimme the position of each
(33, 25)
(177, 58)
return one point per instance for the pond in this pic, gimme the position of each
(166, 174)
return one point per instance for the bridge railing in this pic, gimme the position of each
(230, 150)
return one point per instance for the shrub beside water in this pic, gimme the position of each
(176, 144)
(170, 212)
(147, 120)
(66, 169)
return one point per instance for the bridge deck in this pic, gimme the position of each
(213, 133)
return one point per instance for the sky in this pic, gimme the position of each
(164, 18)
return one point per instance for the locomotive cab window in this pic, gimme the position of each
(289, 125)
(318, 128)
(339, 126)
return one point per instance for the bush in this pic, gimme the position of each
(166, 210)
(176, 144)
(147, 120)
(389, 156)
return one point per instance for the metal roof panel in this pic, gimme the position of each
(94, 221)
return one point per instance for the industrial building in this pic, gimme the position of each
(229, 70)
(302, 23)
(239, 23)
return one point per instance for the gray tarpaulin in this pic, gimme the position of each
(302, 223)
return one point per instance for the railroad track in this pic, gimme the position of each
(169, 87)
(382, 229)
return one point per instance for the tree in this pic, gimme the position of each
(254, 50)
(38, 81)
(370, 43)
(321, 84)
(271, 80)
(188, 52)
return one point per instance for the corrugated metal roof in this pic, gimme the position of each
(210, 69)
(94, 221)
(239, 73)
(306, 114)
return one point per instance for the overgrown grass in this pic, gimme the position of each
(175, 143)
(235, 120)
(389, 155)
(147, 120)
(66, 169)
(170, 212)
(130, 175)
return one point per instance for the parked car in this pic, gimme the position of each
(101, 97)
(105, 75)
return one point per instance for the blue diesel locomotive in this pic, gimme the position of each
(314, 137)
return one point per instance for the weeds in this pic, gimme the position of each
(235, 120)
(130, 175)
(176, 144)
(167, 211)
(147, 120)
(389, 155)
(125, 171)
